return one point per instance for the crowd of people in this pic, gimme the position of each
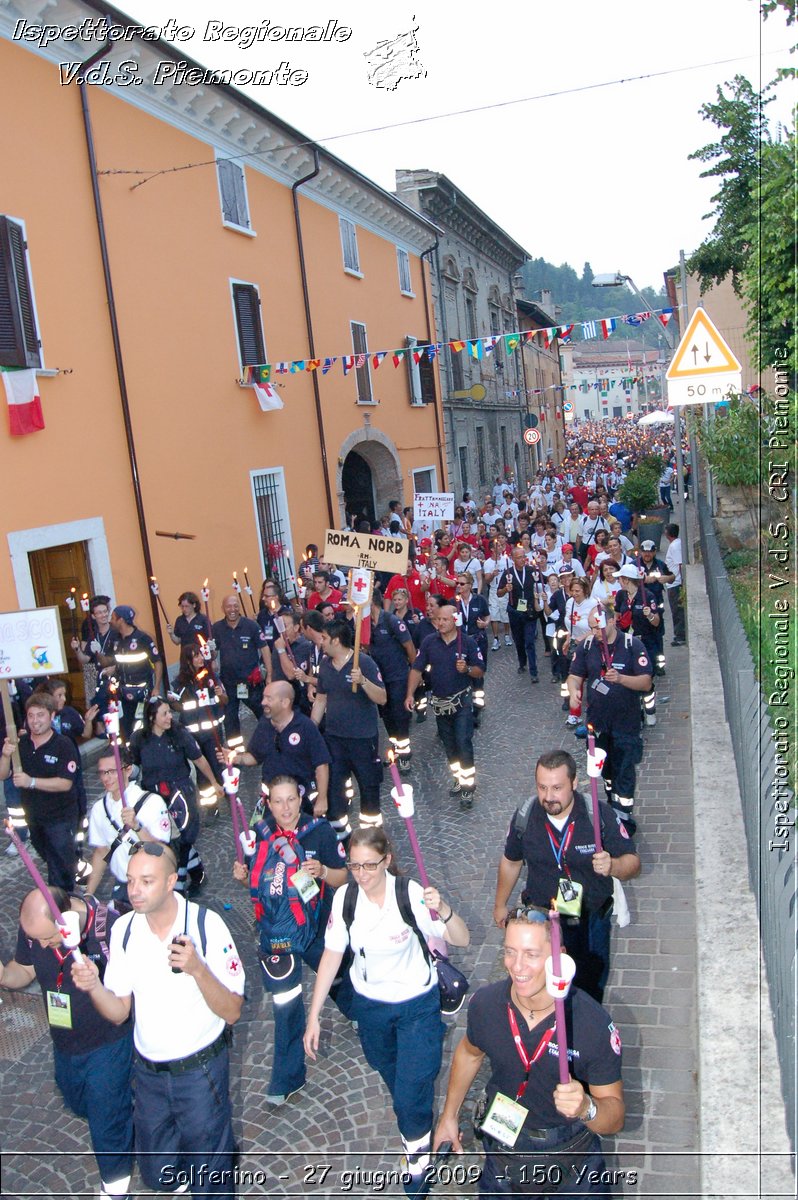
(555, 573)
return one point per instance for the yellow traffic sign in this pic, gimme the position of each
(702, 351)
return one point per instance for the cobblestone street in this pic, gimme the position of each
(341, 1124)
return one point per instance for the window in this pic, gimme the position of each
(403, 262)
(233, 191)
(617, 410)
(456, 364)
(495, 320)
(246, 303)
(274, 531)
(349, 246)
(471, 318)
(462, 454)
(481, 464)
(505, 463)
(19, 337)
(421, 374)
(362, 372)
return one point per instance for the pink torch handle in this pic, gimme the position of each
(559, 1005)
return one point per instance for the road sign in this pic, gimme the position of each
(703, 369)
(531, 436)
(568, 406)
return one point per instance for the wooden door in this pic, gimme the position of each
(55, 571)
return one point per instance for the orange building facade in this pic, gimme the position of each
(150, 292)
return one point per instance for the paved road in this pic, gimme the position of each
(339, 1135)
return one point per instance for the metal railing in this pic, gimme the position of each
(772, 870)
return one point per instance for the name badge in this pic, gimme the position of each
(305, 884)
(569, 897)
(600, 686)
(521, 606)
(59, 1010)
(504, 1119)
(242, 691)
(140, 711)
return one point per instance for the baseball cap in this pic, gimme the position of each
(648, 545)
(125, 612)
(629, 571)
(566, 569)
(568, 546)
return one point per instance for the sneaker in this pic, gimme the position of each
(495, 645)
(521, 671)
(581, 731)
(403, 763)
(565, 706)
(454, 788)
(420, 718)
(508, 641)
(466, 799)
(277, 1100)
(659, 670)
(533, 679)
(11, 850)
(675, 642)
(573, 721)
(651, 718)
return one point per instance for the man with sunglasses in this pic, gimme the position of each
(552, 835)
(181, 965)
(540, 1136)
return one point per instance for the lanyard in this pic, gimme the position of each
(559, 850)
(521, 1048)
(522, 579)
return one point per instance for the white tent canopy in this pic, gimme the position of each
(658, 417)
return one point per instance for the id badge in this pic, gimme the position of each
(305, 884)
(521, 606)
(504, 1119)
(59, 1010)
(242, 691)
(140, 711)
(569, 897)
(551, 629)
(600, 686)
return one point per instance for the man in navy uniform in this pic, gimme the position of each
(394, 652)
(286, 742)
(242, 647)
(135, 664)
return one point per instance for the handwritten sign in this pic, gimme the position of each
(368, 550)
(31, 644)
(433, 506)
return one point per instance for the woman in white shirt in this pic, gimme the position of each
(396, 1003)
(606, 586)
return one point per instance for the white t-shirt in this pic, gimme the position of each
(576, 617)
(673, 561)
(152, 816)
(172, 1018)
(389, 964)
(603, 590)
(579, 570)
(590, 526)
(503, 563)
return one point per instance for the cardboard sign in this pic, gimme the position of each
(360, 587)
(433, 506)
(31, 644)
(369, 550)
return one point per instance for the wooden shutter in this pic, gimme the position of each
(19, 339)
(234, 198)
(250, 336)
(360, 346)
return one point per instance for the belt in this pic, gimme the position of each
(179, 1066)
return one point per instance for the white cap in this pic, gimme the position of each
(629, 571)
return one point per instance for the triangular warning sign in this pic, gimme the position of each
(702, 351)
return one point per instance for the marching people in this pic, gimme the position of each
(523, 587)
(540, 1136)
(199, 697)
(385, 920)
(656, 577)
(637, 610)
(192, 624)
(673, 586)
(92, 1056)
(244, 660)
(552, 836)
(347, 699)
(494, 568)
(89, 649)
(474, 617)
(394, 652)
(46, 782)
(172, 958)
(286, 742)
(454, 662)
(134, 663)
(119, 821)
(296, 862)
(613, 671)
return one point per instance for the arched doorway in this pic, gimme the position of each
(358, 487)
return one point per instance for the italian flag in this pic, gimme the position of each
(24, 405)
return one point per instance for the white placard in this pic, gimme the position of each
(377, 553)
(433, 506)
(31, 644)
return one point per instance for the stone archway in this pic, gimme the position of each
(373, 450)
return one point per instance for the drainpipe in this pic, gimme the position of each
(311, 341)
(120, 366)
(438, 432)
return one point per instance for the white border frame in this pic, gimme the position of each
(285, 517)
(23, 541)
(247, 230)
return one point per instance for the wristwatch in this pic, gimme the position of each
(592, 1110)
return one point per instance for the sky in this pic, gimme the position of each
(599, 175)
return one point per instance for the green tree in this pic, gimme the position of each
(769, 276)
(735, 159)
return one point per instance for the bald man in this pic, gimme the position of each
(92, 1056)
(288, 743)
(244, 663)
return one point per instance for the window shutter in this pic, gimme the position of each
(363, 374)
(19, 339)
(234, 199)
(250, 337)
(349, 244)
(427, 373)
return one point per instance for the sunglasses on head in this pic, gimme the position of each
(154, 849)
(528, 912)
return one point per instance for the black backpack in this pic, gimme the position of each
(122, 831)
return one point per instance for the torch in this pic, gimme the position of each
(71, 604)
(157, 594)
(248, 590)
(206, 595)
(560, 970)
(402, 796)
(67, 924)
(595, 761)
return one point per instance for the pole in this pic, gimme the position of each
(11, 728)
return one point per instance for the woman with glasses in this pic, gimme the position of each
(164, 752)
(396, 1002)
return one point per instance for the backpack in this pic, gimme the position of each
(202, 913)
(288, 924)
(452, 983)
(122, 830)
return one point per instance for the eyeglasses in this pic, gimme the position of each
(371, 867)
(154, 849)
(106, 771)
(528, 912)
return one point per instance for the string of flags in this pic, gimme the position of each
(262, 375)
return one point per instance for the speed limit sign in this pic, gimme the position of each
(531, 436)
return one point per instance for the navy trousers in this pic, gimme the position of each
(358, 757)
(55, 842)
(524, 631)
(97, 1086)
